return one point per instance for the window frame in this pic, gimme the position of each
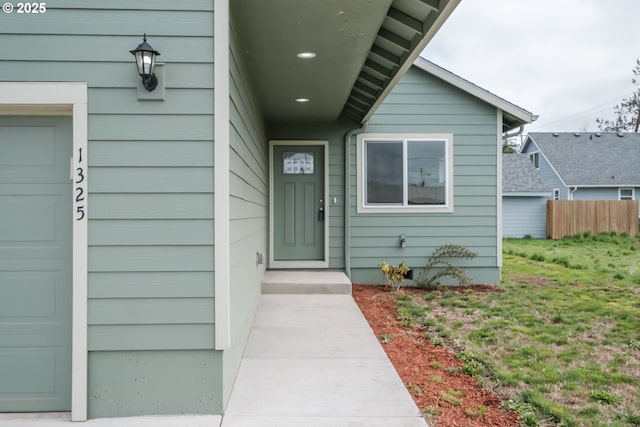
(633, 193)
(556, 194)
(363, 207)
(535, 159)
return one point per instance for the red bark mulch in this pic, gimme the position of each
(446, 396)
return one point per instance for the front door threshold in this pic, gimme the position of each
(298, 264)
(305, 282)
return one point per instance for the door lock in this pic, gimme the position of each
(321, 211)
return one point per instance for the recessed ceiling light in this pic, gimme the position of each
(306, 55)
(302, 99)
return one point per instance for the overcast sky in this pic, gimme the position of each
(568, 61)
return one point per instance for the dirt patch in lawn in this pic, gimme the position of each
(432, 374)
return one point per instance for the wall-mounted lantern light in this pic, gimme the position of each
(146, 60)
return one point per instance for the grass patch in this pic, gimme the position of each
(562, 341)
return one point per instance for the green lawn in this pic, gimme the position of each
(562, 341)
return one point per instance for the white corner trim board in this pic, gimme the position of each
(222, 132)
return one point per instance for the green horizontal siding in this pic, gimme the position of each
(151, 284)
(150, 258)
(151, 153)
(112, 75)
(421, 103)
(110, 48)
(144, 232)
(151, 199)
(150, 311)
(248, 209)
(82, 21)
(183, 102)
(155, 127)
(152, 5)
(151, 180)
(151, 206)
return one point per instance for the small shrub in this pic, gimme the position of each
(440, 258)
(394, 274)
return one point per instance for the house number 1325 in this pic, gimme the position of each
(79, 197)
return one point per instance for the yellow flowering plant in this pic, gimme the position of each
(394, 274)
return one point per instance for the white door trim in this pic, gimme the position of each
(300, 264)
(40, 98)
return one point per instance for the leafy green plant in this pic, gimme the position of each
(394, 274)
(429, 278)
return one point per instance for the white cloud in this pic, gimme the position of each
(568, 61)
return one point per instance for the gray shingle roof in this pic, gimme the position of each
(602, 159)
(520, 176)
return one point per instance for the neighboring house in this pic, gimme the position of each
(524, 198)
(131, 289)
(587, 166)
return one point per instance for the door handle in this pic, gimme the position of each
(321, 211)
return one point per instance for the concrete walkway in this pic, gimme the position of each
(313, 361)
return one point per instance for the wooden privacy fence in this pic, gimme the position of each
(570, 217)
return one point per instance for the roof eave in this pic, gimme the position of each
(517, 116)
(435, 27)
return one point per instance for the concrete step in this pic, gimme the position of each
(305, 282)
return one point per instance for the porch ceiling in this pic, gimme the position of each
(360, 47)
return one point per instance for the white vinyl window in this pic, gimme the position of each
(556, 194)
(405, 173)
(626, 194)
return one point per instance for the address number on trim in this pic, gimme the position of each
(79, 189)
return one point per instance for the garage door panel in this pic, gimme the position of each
(14, 362)
(36, 222)
(27, 219)
(29, 152)
(18, 289)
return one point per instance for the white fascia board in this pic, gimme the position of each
(475, 90)
(444, 15)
